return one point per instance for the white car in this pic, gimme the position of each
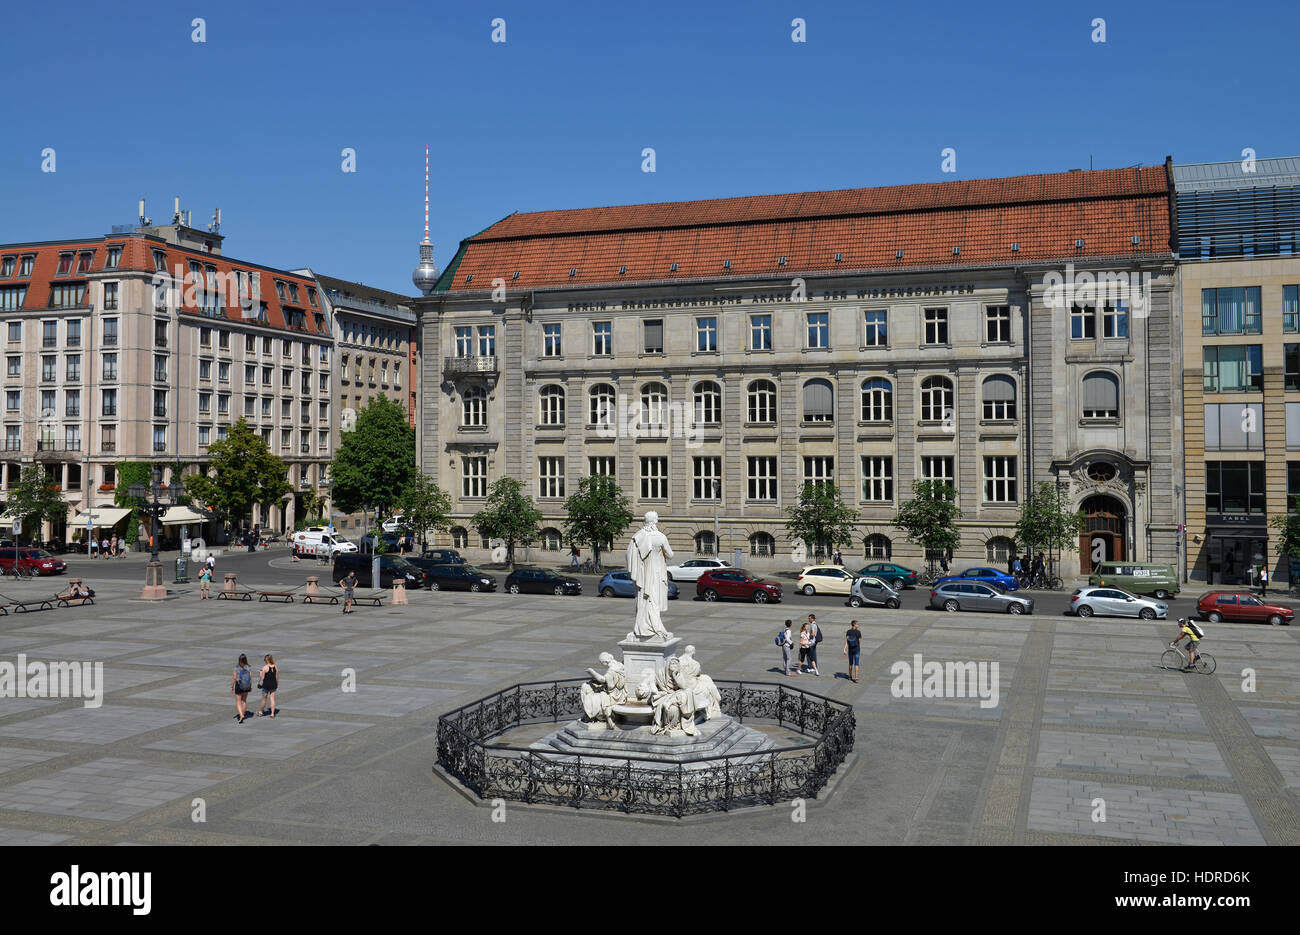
(824, 579)
(1113, 602)
(691, 570)
(317, 541)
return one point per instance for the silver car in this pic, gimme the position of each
(953, 596)
(1112, 602)
(872, 591)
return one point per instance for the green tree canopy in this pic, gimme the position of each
(34, 500)
(930, 518)
(821, 517)
(242, 471)
(598, 513)
(1288, 527)
(376, 460)
(425, 506)
(1046, 521)
(509, 514)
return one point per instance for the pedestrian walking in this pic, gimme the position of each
(268, 680)
(211, 565)
(838, 558)
(348, 584)
(943, 564)
(241, 683)
(785, 639)
(205, 584)
(853, 648)
(1263, 582)
(805, 641)
(816, 638)
(94, 547)
(574, 552)
(112, 546)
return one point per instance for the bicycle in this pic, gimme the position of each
(1175, 658)
(588, 567)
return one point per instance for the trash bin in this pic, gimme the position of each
(182, 571)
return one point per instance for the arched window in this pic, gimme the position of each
(708, 403)
(552, 402)
(762, 543)
(654, 404)
(459, 537)
(999, 550)
(762, 402)
(706, 543)
(550, 539)
(999, 398)
(601, 409)
(1100, 396)
(877, 547)
(473, 407)
(818, 401)
(877, 400)
(936, 399)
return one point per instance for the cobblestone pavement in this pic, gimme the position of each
(1085, 722)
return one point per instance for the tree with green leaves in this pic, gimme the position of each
(509, 515)
(599, 512)
(425, 506)
(36, 499)
(376, 460)
(130, 473)
(1288, 528)
(930, 518)
(312, 505)
(821, 518)
(1047, 524)
(241, 471)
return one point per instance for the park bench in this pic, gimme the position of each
(283, 597)
(323, 597)
(235, 594)
(36, 603)
(69, 601)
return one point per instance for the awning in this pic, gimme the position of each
(99, 517)
(182, 516)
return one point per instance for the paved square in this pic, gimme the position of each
(1083, 713)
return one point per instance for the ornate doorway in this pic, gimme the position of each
(1102, 539)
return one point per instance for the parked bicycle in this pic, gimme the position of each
(1040, 582)
(1175, 658)
(589, 567)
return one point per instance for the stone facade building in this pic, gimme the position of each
(714, 356)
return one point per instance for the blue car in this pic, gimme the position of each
(620, 584)
(986, 576)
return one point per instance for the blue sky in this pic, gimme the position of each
(254, 119)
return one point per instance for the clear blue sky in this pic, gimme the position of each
(254, 119)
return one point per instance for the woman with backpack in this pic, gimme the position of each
(241, 683)
(268, 680)
(205, 583)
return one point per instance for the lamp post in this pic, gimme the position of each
(154, 500)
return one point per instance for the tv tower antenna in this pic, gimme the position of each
(425, 276)
(426, 193)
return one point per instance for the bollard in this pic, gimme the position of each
(313, 585)
(230, 581)
(399, 591)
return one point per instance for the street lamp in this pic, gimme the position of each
(154, 500)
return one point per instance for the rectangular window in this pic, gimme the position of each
(1114, 320)
(819, 329)
(160, 368)
(654, 336)
(72, 437)
(602, 338)
(875, 323)
(108, 440)
(706, 334)
(160, 334)
(223, 371)
(49, 334)
(654, 478)
(936, 326)
(819, 471)
(6, 267)
(15, 331)
(73, 369)
(13, 438)
(550, 475)
(49, 369)
(160, 404)
(113, 259)
(72, 403)
(1293, 486)
(939, 469)
(464, 342)
(1291, 366)
(1234, 426)
(14, 366)
(205, 337)
(47, 403)
(12, 298)
(997, 324)
(1291, 309)
(110, 368)
(266, 407)
(1233, 369)
(552, 345)
(877, 479)
(84, 261)
(160, 438)
(13, 400)
(1083, 322)
(110, 296)
(473, 477)
(159, 261)
(110, 332)
(250, 374)
(286, 409)
(286, 439)
(286, 378)
(205, 435)
(707, 478)
(1000, 479)
(1234, 487)
(760, 332)
(487, 341)
(65, 264)
(266, 376)
(1231, 311)
(602, 465)
(205, 371)
(108, 403)
(761, 475)
(223, 340)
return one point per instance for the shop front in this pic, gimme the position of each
(1236, 545)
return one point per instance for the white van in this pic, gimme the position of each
(317, 541)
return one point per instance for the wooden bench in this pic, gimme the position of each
(374, 598)
(284, 597)
(239, 594)
(39, 603)
(79, 601)
(322, 597)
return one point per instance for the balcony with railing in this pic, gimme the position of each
(468, 366)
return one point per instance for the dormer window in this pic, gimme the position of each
(279, 289)
(65, 264)
(25, 266)
(83, 262)
(159, 261)
(311, 297)
(113, 259)
(293, 294)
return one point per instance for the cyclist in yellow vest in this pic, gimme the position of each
(1186, 629)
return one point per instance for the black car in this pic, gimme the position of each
(454, 577)
(541, 581)
(391, 567)
(443, 556)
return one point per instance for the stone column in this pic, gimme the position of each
(399, 591)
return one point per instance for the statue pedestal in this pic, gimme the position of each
(642, 656)
(154, 589)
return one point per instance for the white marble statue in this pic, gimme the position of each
(602, 691)
(701, 684)
(672, 701)
(647, 565)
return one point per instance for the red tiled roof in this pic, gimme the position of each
(1045, 214)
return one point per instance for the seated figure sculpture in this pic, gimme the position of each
(602, 692)
(672, 701)
(707, 695)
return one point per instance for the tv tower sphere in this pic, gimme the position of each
(426, 274)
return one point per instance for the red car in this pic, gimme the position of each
(9, 557)
(1242, 606)
(44, 563)
(736, 583)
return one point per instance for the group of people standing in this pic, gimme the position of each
(108, 548)
(1027, 567)
(810, 634)
(241, 683)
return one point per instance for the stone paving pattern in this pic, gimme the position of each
(1085, 713)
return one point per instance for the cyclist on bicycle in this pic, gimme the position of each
(1195, 636)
